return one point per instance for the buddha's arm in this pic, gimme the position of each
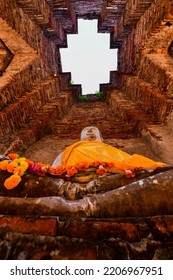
(58, 160)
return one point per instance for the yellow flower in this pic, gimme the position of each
(24, 165)
(20, 163)
(17, 160)
(19, 171)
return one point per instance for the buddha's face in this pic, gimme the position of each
(90, 133)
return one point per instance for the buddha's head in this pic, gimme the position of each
(91, 133)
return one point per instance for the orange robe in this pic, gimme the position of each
(92, 151)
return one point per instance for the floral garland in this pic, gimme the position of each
(20, 166)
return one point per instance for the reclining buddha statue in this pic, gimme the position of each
(115, 194)
(91, 148)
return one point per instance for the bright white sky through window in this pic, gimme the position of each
(89, 57)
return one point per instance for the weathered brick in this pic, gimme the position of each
(161, 227)
(30, 225)
(99, 229)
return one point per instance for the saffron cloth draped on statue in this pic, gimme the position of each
(92, 151)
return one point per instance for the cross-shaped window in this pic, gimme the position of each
(89, 57)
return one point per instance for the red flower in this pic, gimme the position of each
(71, 170)
(101, 170)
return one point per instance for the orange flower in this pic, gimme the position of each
(103, 163)
(51, 170)
(95, 164)
(60, 169)
(20, 165)
(13, 156)
(101, 171)
(82, 165)
(44, 169)
(4, 164)
(71, 170)
(30, 162)
(12, 182)
(10, 167)
(39, 164)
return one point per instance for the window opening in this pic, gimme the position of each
(88, 57)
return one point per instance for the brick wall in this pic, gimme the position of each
(32, 79)
(32, 33)
(145, 67)
(31, 238)
(140, 33)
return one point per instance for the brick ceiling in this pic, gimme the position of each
(107, 11)
(58, 18)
